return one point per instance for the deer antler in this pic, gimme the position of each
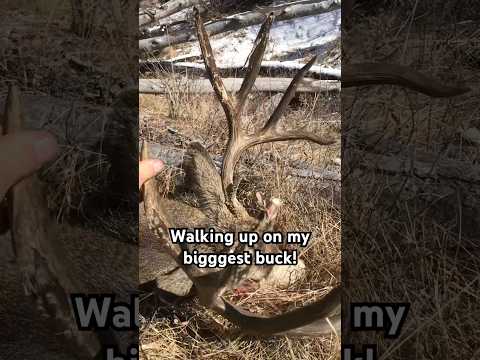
(308, 320)
(239, 140)
(37, 255)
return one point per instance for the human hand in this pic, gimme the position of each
(148, 169)
(23, 153)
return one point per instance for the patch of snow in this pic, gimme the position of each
(286, 37)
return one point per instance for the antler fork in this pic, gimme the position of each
(239, 140)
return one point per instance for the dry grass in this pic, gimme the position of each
(414, 239)
(36, 51)
(310, 205)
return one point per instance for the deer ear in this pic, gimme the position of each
(205, 180)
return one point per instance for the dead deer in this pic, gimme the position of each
(51, 261)
(220, 209)
(219, 206)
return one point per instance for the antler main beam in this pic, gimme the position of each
(309, 320)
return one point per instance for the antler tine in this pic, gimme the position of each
(13, 121)
(144, 151)
(214, 75)
(254, 63)
(287, 97)
(143, 155)
(326, 138)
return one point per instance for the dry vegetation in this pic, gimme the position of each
(415, 239)
(41, 53)
(187, 330)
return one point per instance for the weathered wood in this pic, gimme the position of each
(422, 165)
(174, 157)
(158, 12)
(179, 22)
(240, 21)
(203, 86)
(323, 72)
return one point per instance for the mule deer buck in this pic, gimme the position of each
(54, 260)
(217, 193)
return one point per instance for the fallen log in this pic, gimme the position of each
(421, 165)
(158, 12)
(323, 72)
(180, 21)
(173, 157)
(203, 86)
(240, 21)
